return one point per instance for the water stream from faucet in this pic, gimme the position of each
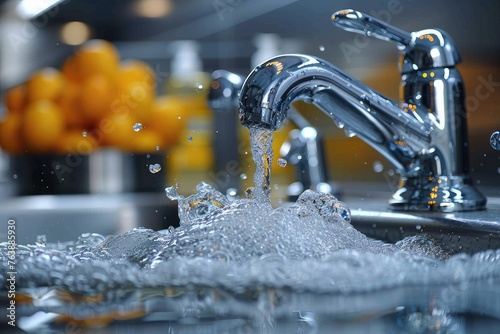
(262, 154)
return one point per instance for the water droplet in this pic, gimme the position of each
(495, 140)
(322, 48)
(231, 194)
(84, 133)
(15, 176)
(418, 227)
(155, 168)
(137, 127)
(190, 139)
(179, 117)
(157, 148)
(377, 166)
(282, 162)
(243, 176)
(276, 186)
(349, 133)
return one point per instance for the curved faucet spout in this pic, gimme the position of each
(391, 129)
(420, 140)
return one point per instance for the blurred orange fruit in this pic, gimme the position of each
(45, 84)
(74, 141)
(138, 99)
(71, 70)
(117, 130)
(96, 97)
(42, 126)
(136, 71)
(144, 141)
(10, 134)
(98, 57)
(69, 102)
(15, 99)
(168, 118)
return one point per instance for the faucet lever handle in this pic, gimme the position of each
(354, 21)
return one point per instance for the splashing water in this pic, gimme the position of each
(244, 250)
(227, 255)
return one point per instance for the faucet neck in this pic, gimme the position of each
(272, 86)
(420, 137)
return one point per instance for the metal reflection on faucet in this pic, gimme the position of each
(428, 146)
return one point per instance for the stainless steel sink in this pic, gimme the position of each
(65, 217)
(467, 232)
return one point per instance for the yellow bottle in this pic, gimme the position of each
(190, 161)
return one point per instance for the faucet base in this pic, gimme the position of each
(441, 194)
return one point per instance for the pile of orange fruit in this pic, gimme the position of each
(95, 100)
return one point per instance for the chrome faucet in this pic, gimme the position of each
(304, 148)
(425, 136)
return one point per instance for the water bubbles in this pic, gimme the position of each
(41, 240)
(282, 162)
(377, 166)
(495, 140)
(84, 133)
(321, 48)
(154, 168)
(243, 176)
(190, 139)
(137, 127)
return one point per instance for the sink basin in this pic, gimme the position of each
(347, 304)
(65, 217)
(468, 232)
